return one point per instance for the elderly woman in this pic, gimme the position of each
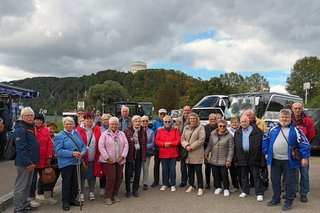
(113, 146)
(192, 140)
(168, 139)
(104, 127)
(70, 149)
(90, 134)
(150, 151)
(221, 147)
(137, 139)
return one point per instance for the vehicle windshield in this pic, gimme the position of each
(238, 105)
(204, 113)
(208, 101)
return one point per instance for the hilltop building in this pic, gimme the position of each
(138, 65)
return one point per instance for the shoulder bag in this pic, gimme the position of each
(295, 150)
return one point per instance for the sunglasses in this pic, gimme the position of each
(145, 121)
(167, 122)
(162, 113)
(224, 126)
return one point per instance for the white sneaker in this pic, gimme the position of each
(226, 193)
(50, 200)
(102, 192)
(190, 189)
(91, 196)
(163, 188)
(34, 203)
(200, 192)
(40, 197)
(260, 198)
(217, 191)
(173, 188)
(243, 195)
(81, 198)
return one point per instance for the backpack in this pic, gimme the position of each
(9, 151)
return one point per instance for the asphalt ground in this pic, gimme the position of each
(153, 200)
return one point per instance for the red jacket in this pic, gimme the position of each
(97, 133)
(306, 125)
(45, 145)
(164, 136)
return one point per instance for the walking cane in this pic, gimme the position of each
(79, 182)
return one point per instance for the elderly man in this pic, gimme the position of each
(248, 156)
(277, 143)
(254, 120)
(307, 126)
(156, 124)
(27, 150)
(125, 120)
(181, 122)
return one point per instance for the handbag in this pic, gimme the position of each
(295, 150)
(48, 175)
(183, 153)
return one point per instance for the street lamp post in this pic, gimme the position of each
(306, 86)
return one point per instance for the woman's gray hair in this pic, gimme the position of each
(24, 110)
(106, 116)
(212, 115)
(145, 117)
(68, 118)
(192, 114)
(136, 117)
(223, 122)
(167, 118)
(114, 120)
(285, 112)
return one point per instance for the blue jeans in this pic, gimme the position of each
(277, 168)
(304, 180)
(168, 164)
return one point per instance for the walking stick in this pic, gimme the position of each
(79, 182)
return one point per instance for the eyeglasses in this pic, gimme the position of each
(162, 113)
(167, 122)
(145, 121)
(224, 126)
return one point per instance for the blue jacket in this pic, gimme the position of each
(296, 137)
(64, 148)
(27, 147)
(156, 124)
(150, 137)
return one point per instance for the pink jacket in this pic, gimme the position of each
(107, 146)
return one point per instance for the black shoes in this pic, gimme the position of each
(273, 203)
(154, 184)
(145, 187)
(303, 198)
(182, 185)
(75, 203)
(135, 193)
(287, 206)
(65, 207)
(207, 186)
(128, 194)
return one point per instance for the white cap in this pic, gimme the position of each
(162, 111)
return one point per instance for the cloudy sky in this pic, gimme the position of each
(202, 38)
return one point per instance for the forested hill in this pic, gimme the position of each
(165, 88)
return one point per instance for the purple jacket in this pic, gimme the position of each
(107, 146)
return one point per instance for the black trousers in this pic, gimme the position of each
(195, 168)
(133, 169)
(207, 172)
(244, 171)
(69, 183)
(220, 174)
(235, 176)
(156, 169)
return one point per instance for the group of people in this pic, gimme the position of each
(91, 149)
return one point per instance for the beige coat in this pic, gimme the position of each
(179, 124)
(196, 154)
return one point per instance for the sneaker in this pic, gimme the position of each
(260, 198)
(226, 193)
(34, 203)
(190, 189)
(303, 198)
(273, 203)
(163, 188)
(243, 195)
(91, 196)
(102, 192)
(217, 191)
(173, 188)
(108, 201)
(50, 200)
(40, 197)
(81, 198)
(287, 206)
(200, 192)
(116, 198)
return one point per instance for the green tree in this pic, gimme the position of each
(167, 97)
(108, 92)
(305, 69)
(257, 83)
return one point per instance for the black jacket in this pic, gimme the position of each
(254, 157)
(208, 129)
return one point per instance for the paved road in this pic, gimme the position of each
(154, 201)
